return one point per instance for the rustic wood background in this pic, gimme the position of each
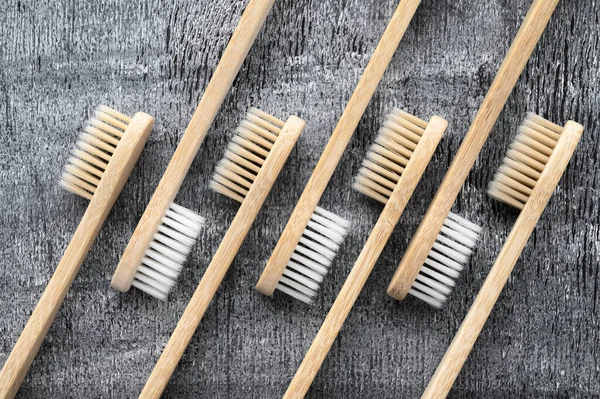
(61, 58)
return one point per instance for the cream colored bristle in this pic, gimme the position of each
(387, 158)
(93, 151)
(246, 154)
(525, 160)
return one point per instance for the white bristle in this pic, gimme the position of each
(525, 160)
(451, 251)
(246, 154)
(313, 255)
(94, 149)
(168, 251)
(387, 158)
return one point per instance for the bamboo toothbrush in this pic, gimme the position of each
(97, 170)
(164, 235)
(312, 235)
(390, 174)
(526, 181)
(423, 248)
(246, 174)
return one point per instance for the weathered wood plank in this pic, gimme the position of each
(60, 58)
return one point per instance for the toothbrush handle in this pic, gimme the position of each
(109, 188)
(231, 61)
(368, 257)
(336, 145)
(214, 274)
(465, 338)
(525, 41)
(344, 302)
(35, 330)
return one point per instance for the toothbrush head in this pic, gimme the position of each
(313, 255)
(388, 157)
(451, 251)
(526, 159)
(246, 154)
(100, 143)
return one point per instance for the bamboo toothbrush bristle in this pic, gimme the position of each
(246, 154)
(525, 160)
(451, 251)
(94, 149)
(168, 251)
(387, 158)
(313, 255)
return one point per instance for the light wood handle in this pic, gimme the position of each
(337, 144)
(366, 260)
(465, 338)
(222, 259)
(118, 170)
(242, 39)
(529, 34)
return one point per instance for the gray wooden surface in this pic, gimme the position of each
(60, 58)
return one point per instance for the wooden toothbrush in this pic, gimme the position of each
(427, 244)
(97, 170)
(312, 235)
(246, 174)
(390, 174)
(166, 231)
(530, 173)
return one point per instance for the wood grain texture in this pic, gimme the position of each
(222, 259)
(114, 177)
(334, 150)
(60, 58)
(482, 306)
(390, 215)
(506, 78)
(235, 53)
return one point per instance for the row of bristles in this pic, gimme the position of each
(388, 159)
(431, 264)
(314, 253)
(234, 175)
